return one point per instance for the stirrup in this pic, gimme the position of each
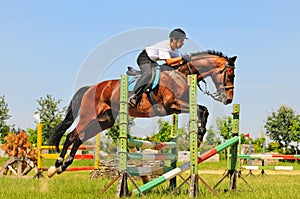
(132, 100)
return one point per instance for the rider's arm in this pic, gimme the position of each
(174, 61)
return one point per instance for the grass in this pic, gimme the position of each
(78, 185)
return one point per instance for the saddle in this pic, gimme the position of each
(134, 75)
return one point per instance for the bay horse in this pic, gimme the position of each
(99, 104)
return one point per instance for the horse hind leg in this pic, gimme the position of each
(70, 158)
(60, 160)
(78, 139)
(103, 122)
(202, 113)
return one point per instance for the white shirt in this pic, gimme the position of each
(161, 51)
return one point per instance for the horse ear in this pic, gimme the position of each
(231, 60)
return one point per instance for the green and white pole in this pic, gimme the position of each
(171, 174)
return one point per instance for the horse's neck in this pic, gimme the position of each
(175, 75)
(190, 68)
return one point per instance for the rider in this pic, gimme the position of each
(165, 50)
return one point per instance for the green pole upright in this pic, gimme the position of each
(174, 133)
(193, 136)
(122, 189)
(123, 116)
(234, 148)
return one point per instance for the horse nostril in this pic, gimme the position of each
(228, 101)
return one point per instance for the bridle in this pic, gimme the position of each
(219, 95)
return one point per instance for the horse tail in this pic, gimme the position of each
(71, 114)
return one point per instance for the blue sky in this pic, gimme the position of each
(44, 45)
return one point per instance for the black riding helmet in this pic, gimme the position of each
(177, 34)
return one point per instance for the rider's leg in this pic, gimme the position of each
(145, 64)
(142, 81)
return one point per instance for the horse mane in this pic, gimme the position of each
(209, 52)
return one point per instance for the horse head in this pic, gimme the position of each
(219, 67)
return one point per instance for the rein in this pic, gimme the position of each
(219, 94)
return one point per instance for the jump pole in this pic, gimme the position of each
(96, 171)
(123, 174)
(192, 82)
(270, 157)
(231, 171)
(55, 156)
(169, 175)
(174, 134)
(39, 145)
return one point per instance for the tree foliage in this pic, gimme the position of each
(282, 126)
(164, 131)
(224, 127)
(4, 115)
(114, 131)
(183, 142)
(211, 139)
(50, 113)
(258, 143)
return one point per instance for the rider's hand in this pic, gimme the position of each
(186, 58)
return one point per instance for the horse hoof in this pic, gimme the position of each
(52, 171)
(59, 170)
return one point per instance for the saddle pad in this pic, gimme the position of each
(132, 79)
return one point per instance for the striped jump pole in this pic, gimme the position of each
(151, 145)
(270, 156)
(139, 156)
(169, 175)
(41, 155)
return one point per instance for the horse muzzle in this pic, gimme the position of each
(227, 101)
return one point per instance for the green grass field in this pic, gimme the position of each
(79, 185)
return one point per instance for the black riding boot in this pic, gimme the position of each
(145, 64)
(133, 98)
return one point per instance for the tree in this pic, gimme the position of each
(224, 127)
(295, 129)
(183, 142)
(4, 127)
(274, 147)
(281, 127)
(164, 131)
(32, 136)
(114, 131)
(211, 138)
(50, 114)
(258, 143)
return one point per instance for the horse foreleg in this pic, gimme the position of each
(178, 107)
(202, 113)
